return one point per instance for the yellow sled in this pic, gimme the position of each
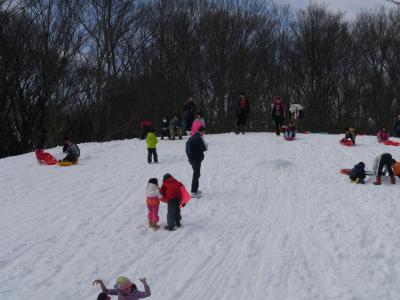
(66, 163)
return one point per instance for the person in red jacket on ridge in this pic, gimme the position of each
(171, 190)
(145, 125)
(278, 114)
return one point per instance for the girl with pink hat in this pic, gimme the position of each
(125, 289)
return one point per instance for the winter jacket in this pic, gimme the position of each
(171, 189)
(243, 107)
(358, 172)
(153, 194)
(278, 109)
(145, 123)
(175, 123)
(196, 126)
(164, 124)
(190, 109)
(382, 136)
(197, 146)
(151, 140)
(72, 151)
(132, 295)
(396, 168)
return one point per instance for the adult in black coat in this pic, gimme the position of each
(195, 148)
(190, 110)
(242, 113)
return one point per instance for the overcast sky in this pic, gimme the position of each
(349, 7)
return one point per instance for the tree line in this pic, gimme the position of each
(93, 69)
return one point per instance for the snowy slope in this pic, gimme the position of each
(277, 221)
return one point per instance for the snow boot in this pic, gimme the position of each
(155, 226)
(378, 180)
(392, 179)
(169, 228)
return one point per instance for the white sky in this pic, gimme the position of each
(349, 7)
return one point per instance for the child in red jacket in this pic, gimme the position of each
(171, 190)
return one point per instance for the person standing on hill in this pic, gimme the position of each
(151, 141)
(171, 190)
(278, 114)
(190, 110)
(195, 148)
(242, 113)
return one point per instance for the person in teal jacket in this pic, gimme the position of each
(151, 141)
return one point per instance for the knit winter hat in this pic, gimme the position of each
(361, 164)
(166, 176)
(123, 283)
(153, 181)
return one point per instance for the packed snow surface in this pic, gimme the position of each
(276, 221)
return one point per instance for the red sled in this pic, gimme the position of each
(347, 143)
(391, 143)
(185, 196)
(348, 171)
(45, 158)
(345, 171)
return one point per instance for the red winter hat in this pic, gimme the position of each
(276, 98)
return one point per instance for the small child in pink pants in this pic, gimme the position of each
(153, 197)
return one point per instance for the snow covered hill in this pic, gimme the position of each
(276, 221)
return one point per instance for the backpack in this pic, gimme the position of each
(189, 147)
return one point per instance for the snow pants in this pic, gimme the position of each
(174, 213)
(385, 162)
(165, 132)
(176, 132)
(278, 120)
(152, 152)
(196, 165)
(153, 213)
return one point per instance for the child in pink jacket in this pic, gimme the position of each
(197, 123)
(153, 197)
(125, 289)
(383, 135)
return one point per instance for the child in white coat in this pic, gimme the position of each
(153, 197)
